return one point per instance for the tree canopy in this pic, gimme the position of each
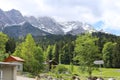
(32, 55)
(86, 52)
(3, 40)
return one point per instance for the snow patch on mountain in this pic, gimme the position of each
(76, 27)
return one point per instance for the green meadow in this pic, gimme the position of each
(100, 72)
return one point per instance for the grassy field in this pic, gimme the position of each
(105, 72)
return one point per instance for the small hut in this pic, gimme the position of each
(17, 60)
(51, 64)
(8, 71)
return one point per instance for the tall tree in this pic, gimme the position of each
(86, 52)
(48, 53)
(10, 45)
(67, 53)
(3, 40)
(109, 53)
(31, 54)
(56, 53)
(38, 54)
(116, 55)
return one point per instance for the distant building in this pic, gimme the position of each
(17, 60)
(52, 64)
(8, 71)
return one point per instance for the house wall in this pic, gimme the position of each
(9, 72)
(19, 66)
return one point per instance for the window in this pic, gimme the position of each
(1, 75)
(18, 67)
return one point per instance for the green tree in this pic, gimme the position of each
(56, 53)
(116, 54)
(67, 53)
(86, 52)
(108, 52)
(3, 40)
(31, 54)
(10, 45)
(39, 56)
(48, 53)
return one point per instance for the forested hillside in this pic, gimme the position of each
(62, 48)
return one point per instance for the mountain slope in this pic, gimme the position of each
(22, 30)
(10, 17)
(46, 24)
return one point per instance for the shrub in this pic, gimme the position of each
(60, 69)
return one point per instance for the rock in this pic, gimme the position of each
(111, 79)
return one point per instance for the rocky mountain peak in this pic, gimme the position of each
(15, 21)
(15, 15)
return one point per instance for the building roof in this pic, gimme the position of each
(53, 62)
(13, 58)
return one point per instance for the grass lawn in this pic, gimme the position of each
(105, 72)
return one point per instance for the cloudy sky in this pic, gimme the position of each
(102, 14)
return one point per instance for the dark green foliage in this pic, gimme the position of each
(10, 45)
(103, 38)
(115, 52)
(48, 53)
(44, 41)
(68, 53)
(60, 49)
(116, 56)
(111, 53)
(108, 53)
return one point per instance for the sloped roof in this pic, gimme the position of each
(13, 58)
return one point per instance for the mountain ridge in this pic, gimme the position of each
(46, 24)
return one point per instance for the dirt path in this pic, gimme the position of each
(24, 78)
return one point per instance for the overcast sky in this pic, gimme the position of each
(102, 14)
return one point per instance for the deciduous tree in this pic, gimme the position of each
(86, 52)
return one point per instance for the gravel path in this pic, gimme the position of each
(24, 78)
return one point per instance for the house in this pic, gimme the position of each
(8, 71)
(17, 60)
(52, 64)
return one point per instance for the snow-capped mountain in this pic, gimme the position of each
(50, 25)
(72, 27)
(13, 17)
(10, 17)
(46, 24)
(76, 27)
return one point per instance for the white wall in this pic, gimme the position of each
(9, 72)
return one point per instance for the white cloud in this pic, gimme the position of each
(5, 5)
(111, 14)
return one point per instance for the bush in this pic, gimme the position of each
(60, 69)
